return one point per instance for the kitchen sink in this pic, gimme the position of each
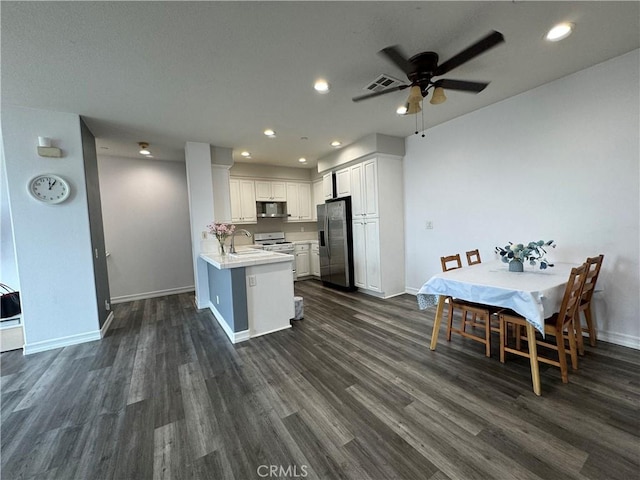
(248, 253)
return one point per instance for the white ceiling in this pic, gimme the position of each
(222, 72)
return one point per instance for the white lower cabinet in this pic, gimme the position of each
(366, 254)
(315, 260)
(302, 253)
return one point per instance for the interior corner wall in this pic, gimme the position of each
(52, 242)
(145, 211)
(558, 162)
(8, 267)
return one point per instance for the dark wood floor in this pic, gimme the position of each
(352, 391)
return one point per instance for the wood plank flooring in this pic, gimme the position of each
(352, 391)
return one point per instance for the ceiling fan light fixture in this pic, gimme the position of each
(413, 107)
(438, 96)
(560, 32)
(144, 148)
(415, 94)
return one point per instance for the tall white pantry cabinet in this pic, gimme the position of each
(375, 185)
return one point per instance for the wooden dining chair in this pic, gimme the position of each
(451, 262)
(478, 311)
(473, 257)
(560, 325)
(594, 265)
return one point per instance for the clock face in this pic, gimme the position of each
(49, 188)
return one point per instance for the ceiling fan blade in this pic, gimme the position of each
(394, 54)
(490, 41)
(380, 92)
(463, 85)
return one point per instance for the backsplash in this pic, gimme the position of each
(292, 231)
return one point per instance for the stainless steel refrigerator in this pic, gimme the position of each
(335, 243)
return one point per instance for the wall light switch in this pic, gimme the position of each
(204, 235)
(217, 300)
(428, 225)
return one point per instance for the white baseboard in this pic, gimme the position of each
(411, 291)
(107, 324)
(235, 337)
(52, 344)
(157, 293)
(254, 335)
(621, 339)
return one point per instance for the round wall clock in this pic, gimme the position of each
(49, 188)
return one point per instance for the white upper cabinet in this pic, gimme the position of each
(267, 191)
(317, 197)
(299, 202)
(343, 182)
(327, 186)
(243, 201)
(364, 189)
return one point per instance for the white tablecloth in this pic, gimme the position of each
(535, 294)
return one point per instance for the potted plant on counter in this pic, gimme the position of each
(221, 231)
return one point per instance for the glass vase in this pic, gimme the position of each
(222, 249)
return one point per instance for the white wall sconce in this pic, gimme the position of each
(46, 150)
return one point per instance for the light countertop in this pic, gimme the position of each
(251, 258)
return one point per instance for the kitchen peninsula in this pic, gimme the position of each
(251, 292)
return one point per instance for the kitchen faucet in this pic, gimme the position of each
(233, 238)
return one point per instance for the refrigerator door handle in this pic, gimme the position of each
(328, 237)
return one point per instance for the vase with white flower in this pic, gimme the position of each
(533, 252)
(221, 231)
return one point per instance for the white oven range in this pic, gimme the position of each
(275, 242)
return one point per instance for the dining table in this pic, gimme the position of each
(534, 294)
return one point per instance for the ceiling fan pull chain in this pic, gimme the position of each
(422, 123)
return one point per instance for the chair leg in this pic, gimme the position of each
(487, 326)
(577, 331)
(562, 356)
(449, 322)
(503, 338)
(518, 335)
(533, 358)
(590, 326)
(464, 320)
(572, 346)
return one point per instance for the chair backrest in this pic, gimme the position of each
(473, 257)
(594, 264)
(572, 295)
(451, 258)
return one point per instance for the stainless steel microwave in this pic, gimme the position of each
(272, 209)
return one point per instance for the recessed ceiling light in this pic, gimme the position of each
(321, 86)
(245, 154)
(560, 32)
(402, 110)
(144, 148)
(302, 160)
(270, 133)
(336, 143)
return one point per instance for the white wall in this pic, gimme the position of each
(559, 162)
(52, 242)
(145, 212)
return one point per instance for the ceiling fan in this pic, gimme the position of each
(423, 67)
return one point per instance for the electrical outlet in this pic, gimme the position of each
(204, 235)
(107, 305)
(252, 280)
(217, 300)
(428, 225)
